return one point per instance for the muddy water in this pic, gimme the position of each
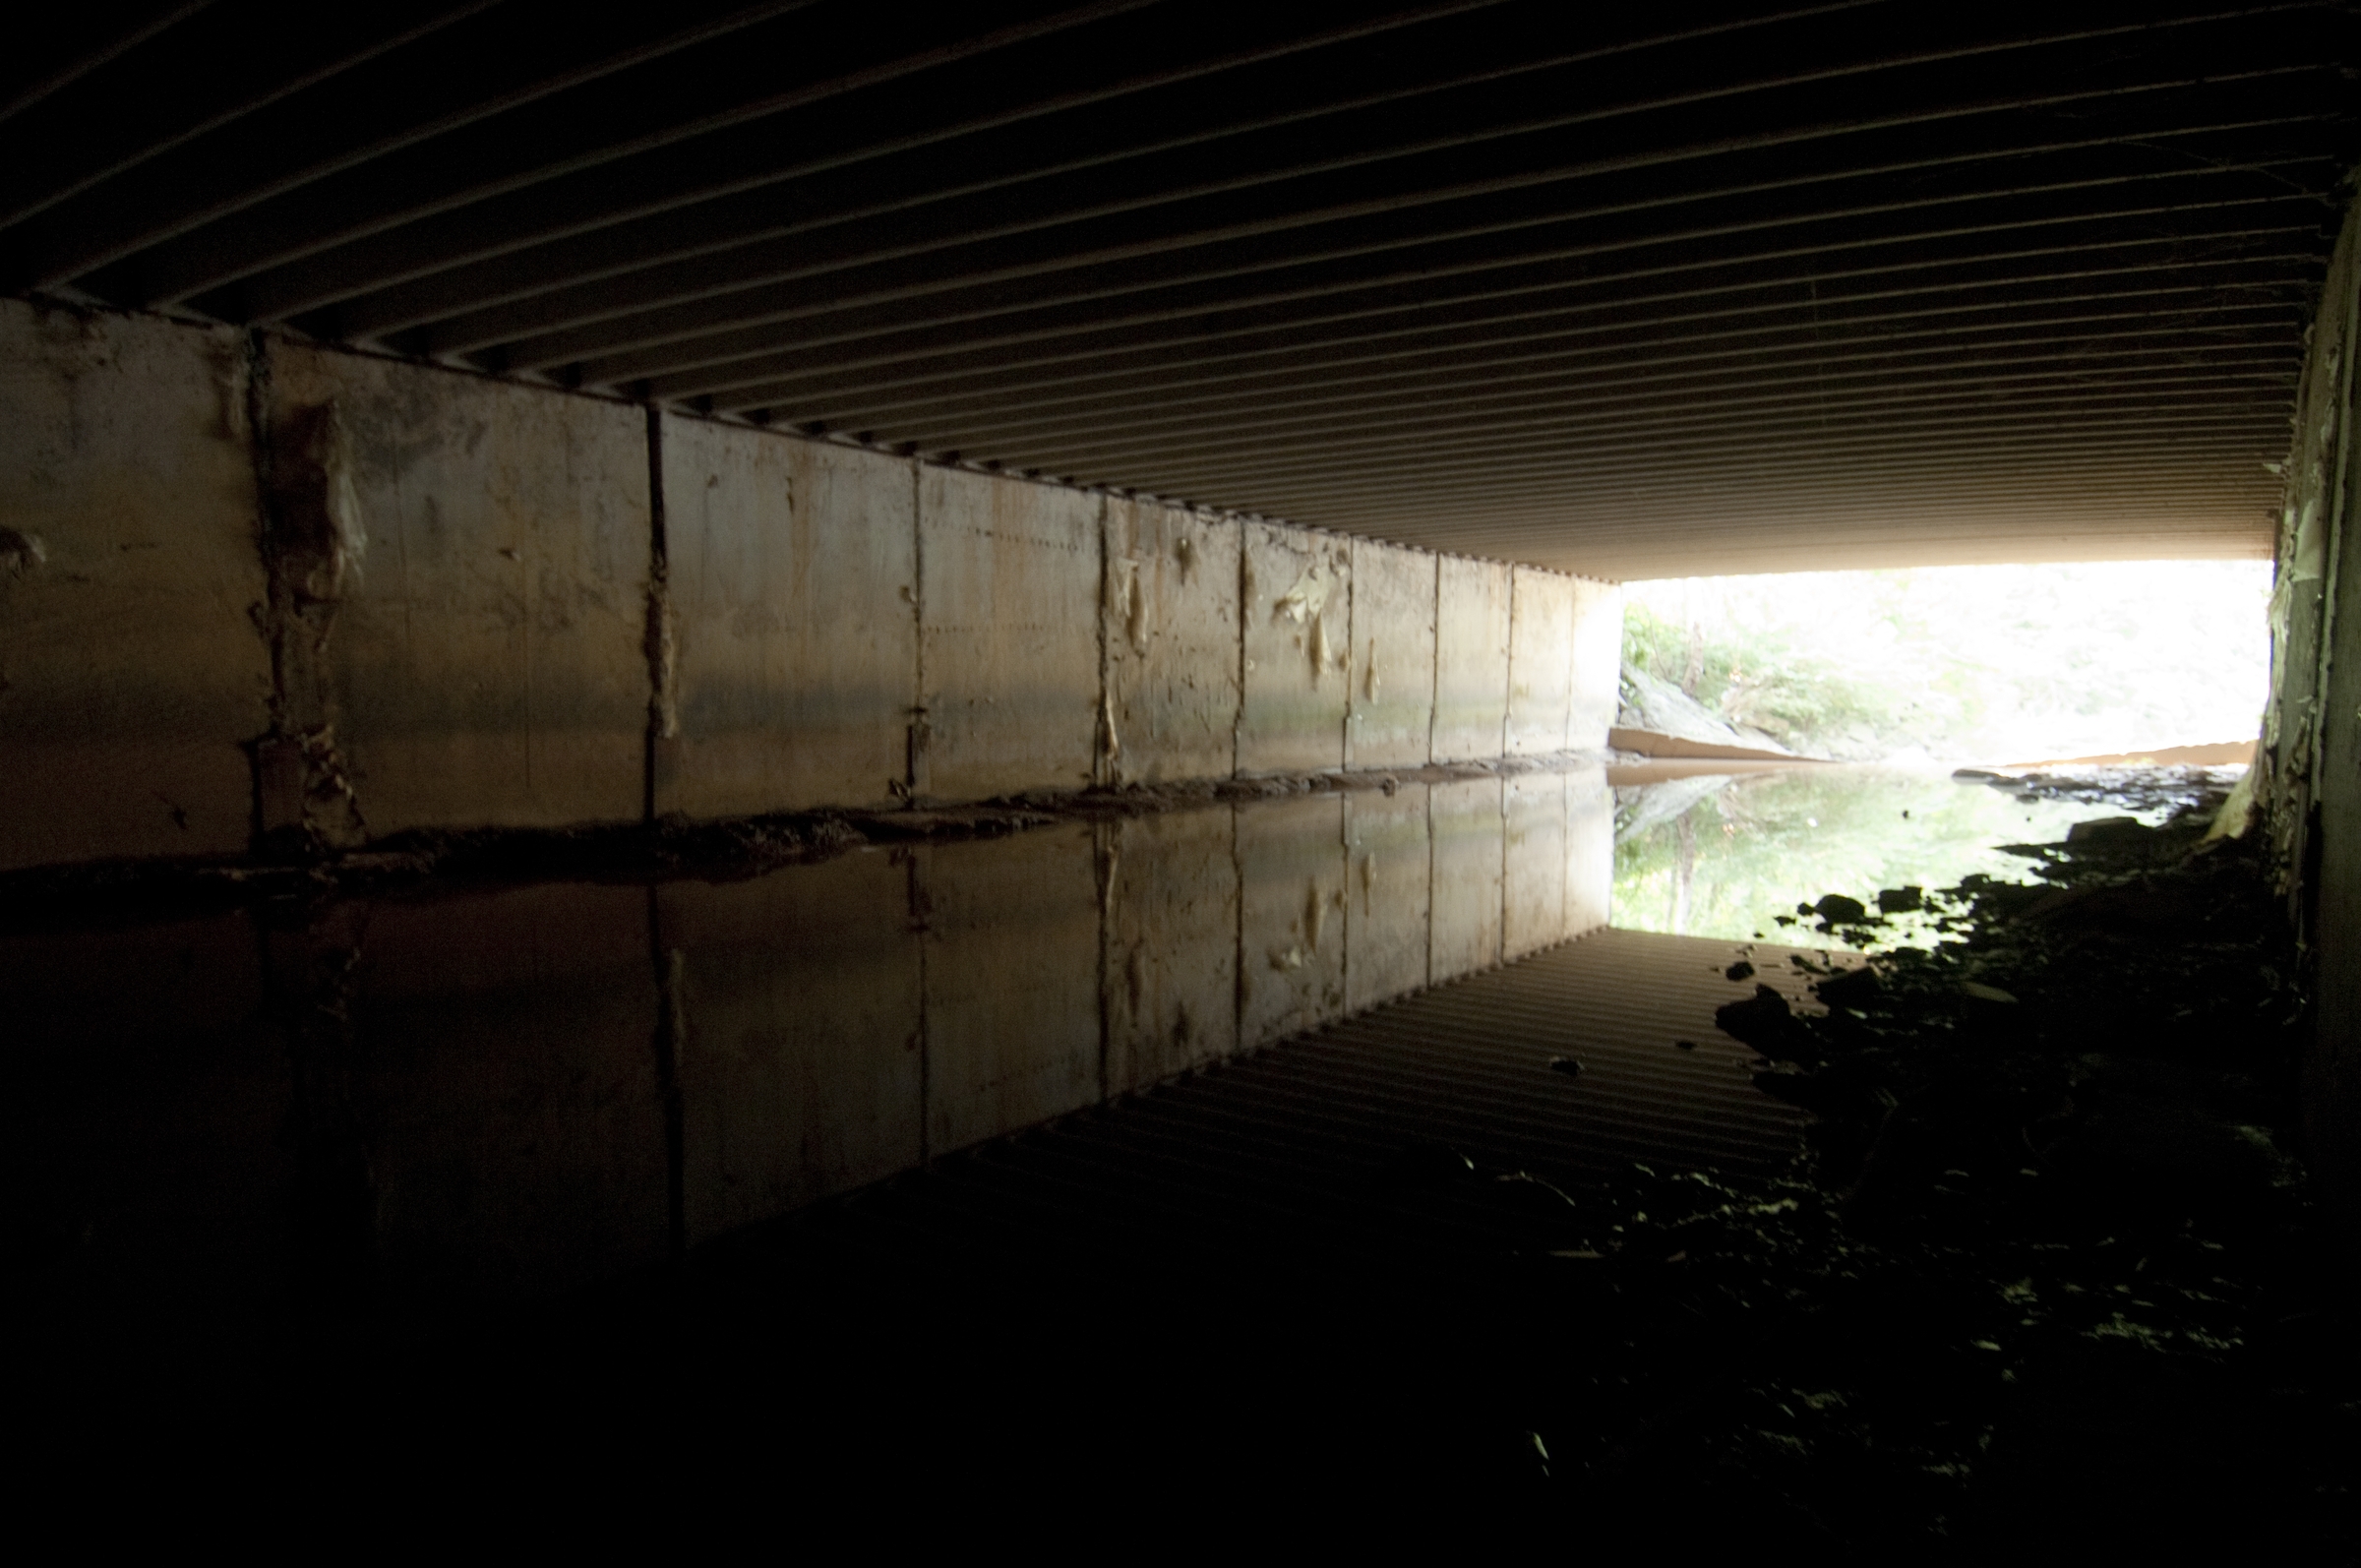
(496, 1093)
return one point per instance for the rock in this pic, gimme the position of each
(1855, 987)
(1838, 910)
(1899, 900)
(1567, 1065)
(2108, 830)
(1741, 970)
(1663, 709)
(1765, 1021)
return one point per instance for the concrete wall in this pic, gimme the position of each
(130, 673)
(1008, 635)
(251, 589)
(1541, 661)
(1172, 641)
(2308, 773)
(485, 664)
(1390, 691)
(1297, 587)
(1470, 659)
(792, 571)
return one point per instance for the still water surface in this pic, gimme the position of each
(495, 1093)
(1721, 856)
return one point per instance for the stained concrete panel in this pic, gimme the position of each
(1291, 948)
(1469, 831)
(793, 575)
(130, 670)
(1534, 880)
(1297, 586)
(1541, 661)
(1597, 664)
(1387, 894)
(1011, 984)
(1590, 850)
(798, 1043)
(1470, 658)
(1391, 691)
(514, 1091)
(1171, 644)
(488, 660)
(1009, 635)
(1171, 974)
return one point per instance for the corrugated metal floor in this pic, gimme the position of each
(1334, 1149)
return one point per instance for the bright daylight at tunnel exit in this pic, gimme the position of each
(1590, 774)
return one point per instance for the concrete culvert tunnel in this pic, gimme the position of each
(891, 747)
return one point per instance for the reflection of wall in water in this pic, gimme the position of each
(1011, 984)
(1169, 892)
(1466, 849)
(1389, 867)
(503, 1093)
(799, 1057)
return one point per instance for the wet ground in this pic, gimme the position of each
(1275, 1149)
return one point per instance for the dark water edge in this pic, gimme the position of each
(2046, 1277)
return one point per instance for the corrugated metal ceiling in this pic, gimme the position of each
(1630, 291)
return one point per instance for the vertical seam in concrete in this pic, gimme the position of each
(257, 455)
(663, 718)
(671, 1032)
(915, 729)
(1237, 969)
(1344, 832)
(913, 885)
(1103, 851)
(1429, 976)
(1103, 771)
(1346, 750)
(1102, 767)
(1508, 697)
(1238, 720)
(1566, 729)
(1434, 676)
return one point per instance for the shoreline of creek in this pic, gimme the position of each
(2049, 1276)
(299, 868)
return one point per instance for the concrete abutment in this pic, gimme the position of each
(252, 590)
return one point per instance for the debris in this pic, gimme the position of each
(1567, 1065)
(1741, 970)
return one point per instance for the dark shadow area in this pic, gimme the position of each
(1534, 1247)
